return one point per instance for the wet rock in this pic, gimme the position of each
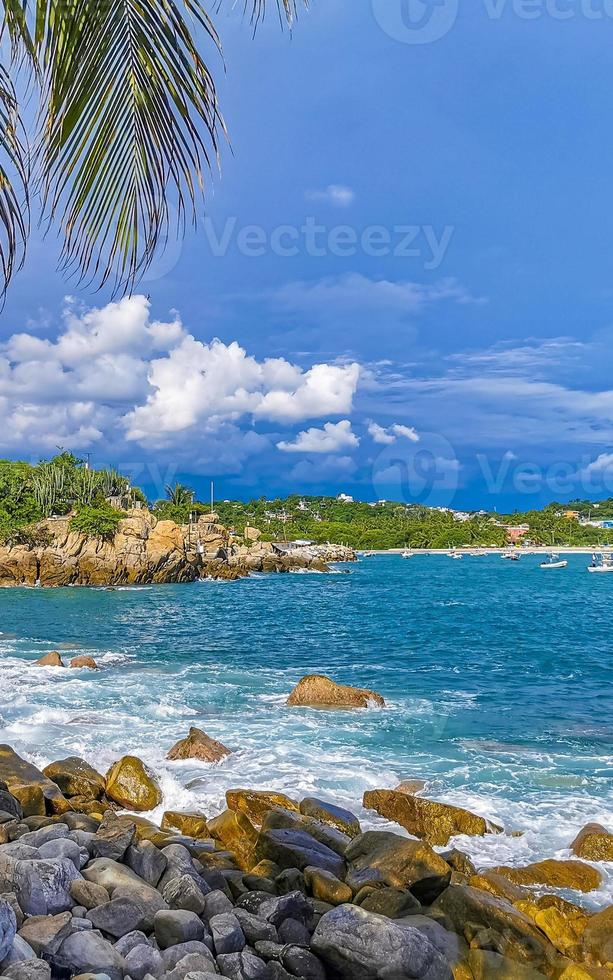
(598, 936)
(279, 819)
(555, 874)
(131, 784)
(358, 945)
(10, 807)
(236, 832)
(46, 933)
(486, 965)
(84, 660)
(593, 843)
(112, 838)
(459, 861)
(43, 887)
(326, 886)
(198, 745)
(52, 659)
(117, 917)
(410, 786)
(176, 926)
(228, 937)
(395, 903)
(147, 861)
(190, 824)
(329, 813)
(75, 777)
(498, 885)
(298, 849)
(379, 857)
(562, 922)
(142, 960)
(89, 952)
(317, 691)
(294, 905)
(8, 928)
(431, 821)
(88, 894)
(36, 793)
(256, 803)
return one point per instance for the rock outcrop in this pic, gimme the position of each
(131, 784)
(36, 793)
(318, 691)
(432, 821)
(198, 745)
(593, 843)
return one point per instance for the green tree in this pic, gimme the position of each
(179, 495)
(129, 124)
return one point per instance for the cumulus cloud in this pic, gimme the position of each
(333, 438)
(336, 194)
(386, 437)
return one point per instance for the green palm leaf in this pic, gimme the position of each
(13, 184)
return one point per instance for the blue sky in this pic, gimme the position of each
(440, 329)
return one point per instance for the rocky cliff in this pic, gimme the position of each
(145, 550)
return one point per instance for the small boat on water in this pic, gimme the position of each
(554, 561)
(510, 555)
(407, 553)
(601, 563)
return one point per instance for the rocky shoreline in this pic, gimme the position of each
(275, 888)
(146, 551)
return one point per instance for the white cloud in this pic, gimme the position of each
(336, 194)
(386, 437)
(333, 438)
(323, 469)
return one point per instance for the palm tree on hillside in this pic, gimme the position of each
(128, 126)
(179, 495)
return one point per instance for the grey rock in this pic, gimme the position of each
(199, 975)
(8, 928)
(242, 966)
(277, 972)
(89, 952)
(253, 901)
(174, 954)
(80, 821)
(178, 862)
(11, 898)
(330, 813)
(293, 932)
(298, 849)
(359, 945)
(88, 894)
(290, 880)
(19, 951)
(19, 851)
(113, 837)
(143, 960)
(79, 925)
(448, 944)
(147, 861)
(193, 963)
(83, 838)
(183, 892)
(302, 963)
(130, 941)
(64, 848)
(28, 970)
(217, 902)
(228, 937)
(121, 882)
(176, 926)
(92, 976)
(46, 933)
(117, 917)
(255, 928)
(9, 804)
(36, 838)
(294, 905)
(79, 912)
(43, 887)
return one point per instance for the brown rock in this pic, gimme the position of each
(498, 885)
(75, 777)
(563, 927)
(236, 832)
(432, 821)
(326, 887)
(131, 784)
(84, 660)
(257, 803)
(198, 745)
(486, 965)
(332, 815)
(189, 824)
(35, 791)
(52, 659)
(410, 786)
(317, 691)
(378, 857)
(593, 843)
(598, 937)
(555, 874)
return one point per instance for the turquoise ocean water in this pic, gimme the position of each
(498, 679)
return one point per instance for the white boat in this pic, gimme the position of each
(554, 561)
(407, 553)
(601, 563)
(510, 555)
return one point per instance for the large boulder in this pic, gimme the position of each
(10, 807)
(84, 660)
(89, 952)
(472, 912)
(298, 849)
(190, 824)
(235, 831)
(46, 933)
(75, 777)
(598, 936)
(36, 793)
(555, 874)
(562, 922)
(329, 813)
(593, 843)
(317, 691)
(131, 784)
(381, 858)
(198, 745)
(52, 659)
(432, 821)
(359, 945)
(8, 928)
(43, 886)
(257, 803)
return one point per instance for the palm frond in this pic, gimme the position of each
(14, 172)
(131, 123)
